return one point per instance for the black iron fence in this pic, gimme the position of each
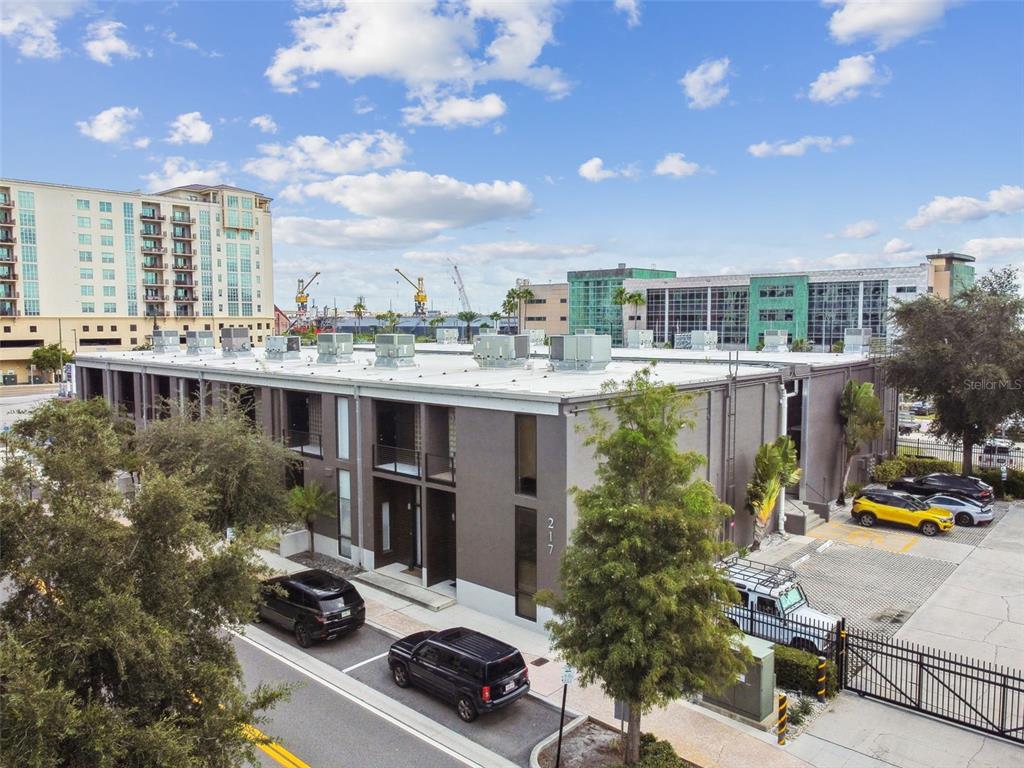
(401, 461)
(440, 469)
(306, 443)
(822, 638)
(984, 457)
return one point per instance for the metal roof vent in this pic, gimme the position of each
(581, 353)
(501, 351)
(704, 341)
(857, 340)
(199, 342)
(283, 347)
(235, 342)
(334, 348)
(776, 340)
(165, 341)
(537, 337)
(447, 335)
(638, 338)
(394, 350)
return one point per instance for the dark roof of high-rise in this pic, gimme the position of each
(950, 255)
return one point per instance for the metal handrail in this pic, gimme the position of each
(306, 443)
(440, 469)
(392, 458)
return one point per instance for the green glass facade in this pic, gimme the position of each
(777, 303)
(961, 277)
(590, 298)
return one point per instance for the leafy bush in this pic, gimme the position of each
(1012, 487)
(888, 470)
(799, 710)
(797, 670)
(852, 489)
(896, 467)
(655, 753)
(839, 346)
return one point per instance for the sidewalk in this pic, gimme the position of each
(704, 737)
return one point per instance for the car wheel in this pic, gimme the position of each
(928, 528)
(803, 644)
(302, 636)
(466, 709)
(400, 675)
(964, 519)
(867, 519)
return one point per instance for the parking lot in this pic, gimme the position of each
(510, 732)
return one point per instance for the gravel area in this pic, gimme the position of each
(592, 745)
(325, 563)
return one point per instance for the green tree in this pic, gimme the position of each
(637, 299)
(639, 609)
(51, 358)
(389, 320)
(359, 310)
(800, 345)
(310, 502)
(496, 319)
(226, 453)
(468, 316)
(966, 354)
(862, 419)
(775, 467)
(114, 651)
(509, 307)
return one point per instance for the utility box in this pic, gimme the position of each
(447, 335)
(752, 696)
(501, 351)
(333, 348)
(704, 341)
(639, 338)
(165, 341)
(394, 350)
(581, 352)
(235, 342)
(283, 347)
(857, 340)
(198, 342)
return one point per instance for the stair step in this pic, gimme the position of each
(411, 592)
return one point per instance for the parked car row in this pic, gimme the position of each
(930, 503)
(470, 670)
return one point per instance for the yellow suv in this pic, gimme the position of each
(873, 505)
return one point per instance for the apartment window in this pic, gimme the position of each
(87, 290)
(83, 205)
(107, 241)
(385, 526)
(133, 328)
(85, 274)
(85, 239)
(110, 290)
(232, 201)
(85, 256)
(526, 563)
(108, 258)
(110, 308)
(32, 328)
(775, 315)
(776, 291)
(247, 203)
(108, 274)
(84, 222)
(345, 513)
(88, 308)
(27, 218)
(526, 454)
(106, 207)
(27, 200)
(106, 223)
(906, 289)
(343, 436)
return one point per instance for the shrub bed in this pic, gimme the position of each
(655, 753)
(797, 670)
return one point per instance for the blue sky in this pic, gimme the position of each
(523, 140)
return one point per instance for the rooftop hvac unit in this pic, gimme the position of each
(165, 341)
(580, 353)
(199, 342)
(283, 347)
(235, 342)
(481, 331)
(501, 351)
(637, 338)
(705, 341)
(394, 350)
(585, 332)
(680, 341)
(776, 340)
(334, 348)
(447, 335)
(537, 336)
(857, 340)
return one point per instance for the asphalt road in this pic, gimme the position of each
(326, 730)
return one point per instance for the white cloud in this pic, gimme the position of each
(845, 82)
(357, 234)
(363, 106)
(110, 125)
(32, 26)
(177, 171)
(632, 10)
(511, 251)
(986, 247)
(705, 86)
(183, 42)
(675, 164)
(594, 170)
(313, 157)
(190, 128)
(426, 45)
(453, 111)
(858, 230)
(265, 123)
(897, 245)
(103, 42)
(142, 142)
(955, 210)
(799, 147)
(887, 23)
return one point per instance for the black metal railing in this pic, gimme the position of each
(401, 461)
(440, 469)
(306, 443)
(817, 637)
(1011, 458)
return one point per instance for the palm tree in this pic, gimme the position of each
(775, 467)
(308, 502)
(637, 299)
(389, 320)
(860, 413)
(359, 310)
(523, 294)
(620, 297)
(509, 307)
(468, 316)
(496, 317)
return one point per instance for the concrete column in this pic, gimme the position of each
(667, 335)
(860, 305)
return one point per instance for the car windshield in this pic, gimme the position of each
(920, 506)
(791, 598)
(509, 665)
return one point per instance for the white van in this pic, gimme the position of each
(996, 453)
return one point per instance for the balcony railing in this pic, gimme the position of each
(8, 274)
(151, 215)
(306, 443)
(440, 469)
(153, 249)
(6, 202)
(400, 461)
(6, 221)
(182, 267)
(5, 238)
(8, 310)
(155, 298)
(183, 236)
(8, 295)
(7, 255)
(152, 264)
(180, 219)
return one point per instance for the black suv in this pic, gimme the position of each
(473, 671)
(963, 486)
(315, 605)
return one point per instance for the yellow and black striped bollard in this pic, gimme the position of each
(782, 719)
(821, 678)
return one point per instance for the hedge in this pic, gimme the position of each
(797, 670)
(655, 753)
(894, 468)
(1012, 487)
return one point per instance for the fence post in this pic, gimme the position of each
(781, 730)
(841, 654)
(822, 675)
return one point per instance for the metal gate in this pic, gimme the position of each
(969, 692)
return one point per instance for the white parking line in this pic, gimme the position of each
(828, 543)
(346, 670)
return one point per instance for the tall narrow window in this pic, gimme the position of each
(526, 455)
(343, 438)
(345, 513)
(526, 563)
(385, 526)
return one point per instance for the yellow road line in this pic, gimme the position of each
(272, 749)
(908, 545)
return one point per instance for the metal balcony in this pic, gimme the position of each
(399, 461)
(152, 216)
(440, 469)
(305, 443)
(152, 264)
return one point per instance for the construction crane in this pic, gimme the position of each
(420, 297)
(302, 294)
(463, 298)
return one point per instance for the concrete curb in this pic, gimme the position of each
(569, 728)
(464, 749)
